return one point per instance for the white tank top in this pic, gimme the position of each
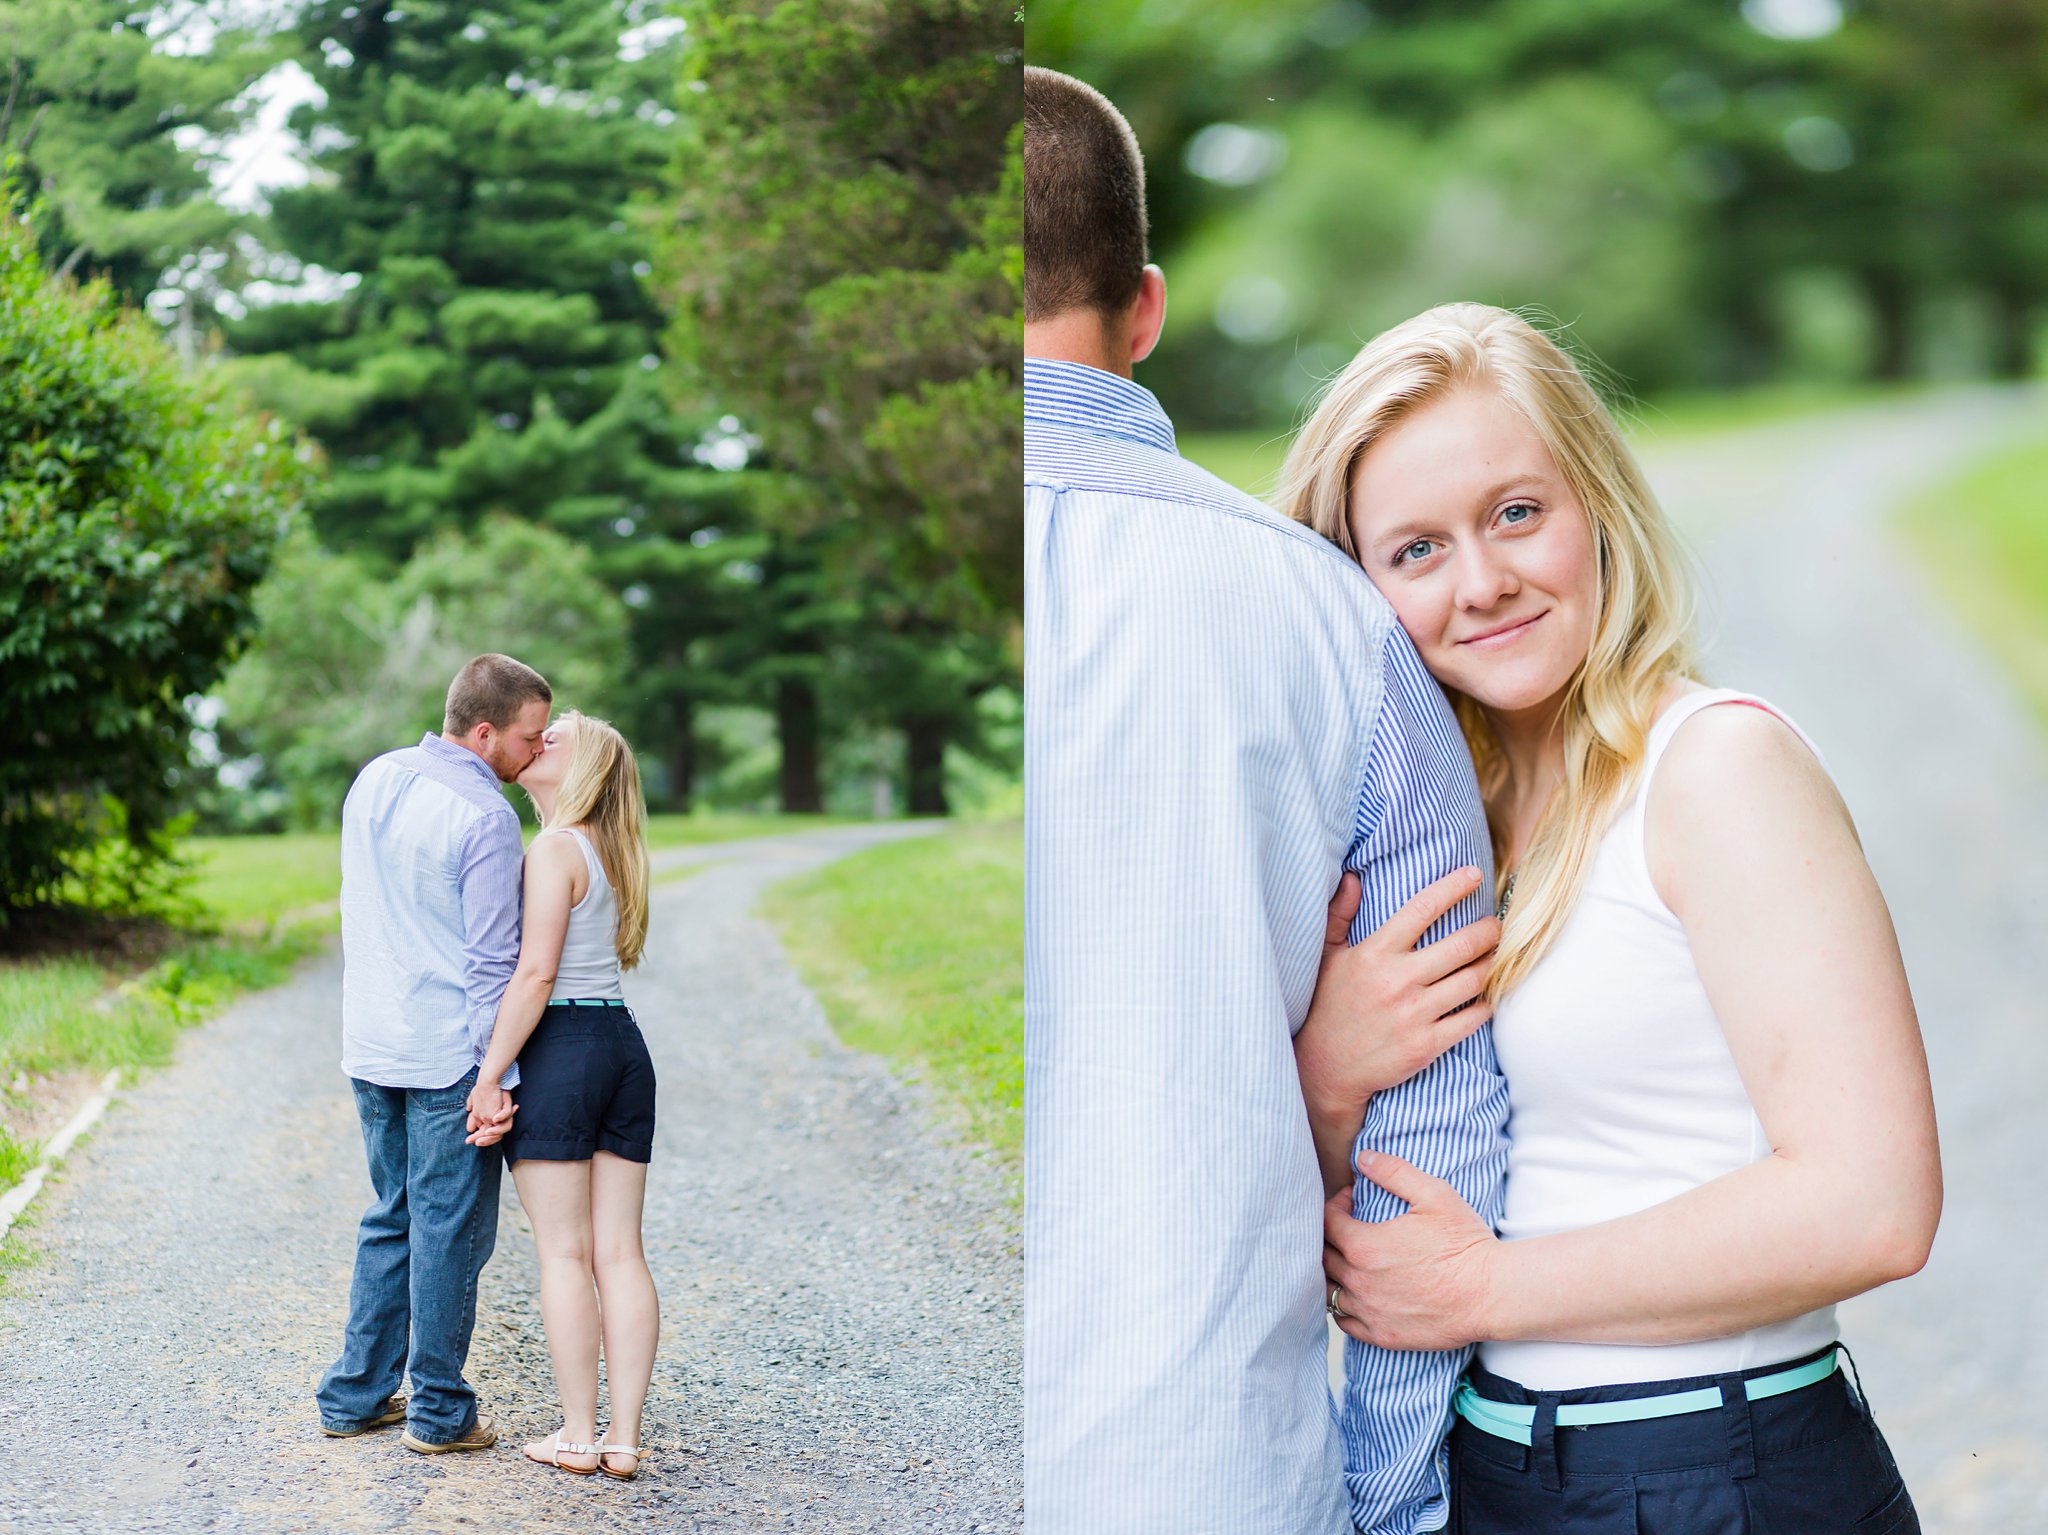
(589, 967)
(1623, 1094)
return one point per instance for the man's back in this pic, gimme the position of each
(430, 854)
(1202, 683)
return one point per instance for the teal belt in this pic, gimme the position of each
(588, 1002)
(1509, 1420)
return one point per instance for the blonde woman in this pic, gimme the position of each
(581, 1131)
(1720, 1115)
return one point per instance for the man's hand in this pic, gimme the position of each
(1384, 1009)
(490, 1114)
(1420, 1281)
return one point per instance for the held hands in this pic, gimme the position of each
(1420, 1281)
(1384, 1009)
(490, 1113)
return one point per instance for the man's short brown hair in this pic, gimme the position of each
(1084, 200)
(493, 688)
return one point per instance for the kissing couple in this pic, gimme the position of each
(484, 1025)
(1418, 943)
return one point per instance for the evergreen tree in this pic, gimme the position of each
(100, 101)
(492, 349)
(845, 254)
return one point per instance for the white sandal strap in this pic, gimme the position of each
(622, 1449)
(562, 1449)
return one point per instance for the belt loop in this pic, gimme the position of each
(1741, 1431)
(1862, 1401)
(1543, 1445)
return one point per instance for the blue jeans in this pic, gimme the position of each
(419, 1250)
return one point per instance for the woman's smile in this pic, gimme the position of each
(1500, 636)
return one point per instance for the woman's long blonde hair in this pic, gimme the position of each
(601, 792)
(1645, 597)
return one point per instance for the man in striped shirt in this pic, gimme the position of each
(1221, 716)
(430, 895)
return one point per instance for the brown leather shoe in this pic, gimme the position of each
(481, 1435)
(393, 1411)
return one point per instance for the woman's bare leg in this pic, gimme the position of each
(557, 1197)
(632, 1311)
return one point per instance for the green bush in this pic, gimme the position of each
(138, 511)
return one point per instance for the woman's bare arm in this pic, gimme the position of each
(554, 867)
(1753, 850)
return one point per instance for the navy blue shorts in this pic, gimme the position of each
(586, 1084)
(1808, 1462)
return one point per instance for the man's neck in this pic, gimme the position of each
(464, 744)
(1076, 336)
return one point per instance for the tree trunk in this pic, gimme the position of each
(1891, 309)
(682, 753)
(2012, 340)
(925, 737)
(797, 732)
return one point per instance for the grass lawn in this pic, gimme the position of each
(916, 949)
(61, 1017)
(251, 879)
(1984, 537)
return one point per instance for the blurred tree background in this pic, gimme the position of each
(670, 346)
(1707, 193)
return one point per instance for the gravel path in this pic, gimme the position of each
(840, 1287)
(1815, 606)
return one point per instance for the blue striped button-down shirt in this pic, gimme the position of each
(1221, 714)
(430, 870)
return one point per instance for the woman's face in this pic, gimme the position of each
(557, 748)
(1461, 518)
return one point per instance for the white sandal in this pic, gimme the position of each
(559, 1448)
(637, 1451)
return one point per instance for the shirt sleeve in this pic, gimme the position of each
(492, 865)
(1419, 818)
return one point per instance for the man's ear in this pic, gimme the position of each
(1146, 317)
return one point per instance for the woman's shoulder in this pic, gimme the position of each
(1716, 734)
(1734, 771)
(554, 847)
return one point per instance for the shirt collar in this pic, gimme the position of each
(434, 746)
(1074, 394)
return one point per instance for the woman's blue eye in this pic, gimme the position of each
(1407, 554)
(1508, 516)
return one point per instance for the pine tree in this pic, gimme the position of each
(845, 254)
(100, 103)
(492, 349)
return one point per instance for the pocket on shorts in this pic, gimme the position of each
(1895, 1516)
(1847, 1484)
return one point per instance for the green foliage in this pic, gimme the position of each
(104, 98)
(351, 662)
(916, 950)
(497, 354)
(1703, 203)
(138, 511)
(17, 1158)
(845, 257)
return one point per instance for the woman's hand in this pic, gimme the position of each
(490, 1113)
(1420, 1281)
(1384, 1009)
